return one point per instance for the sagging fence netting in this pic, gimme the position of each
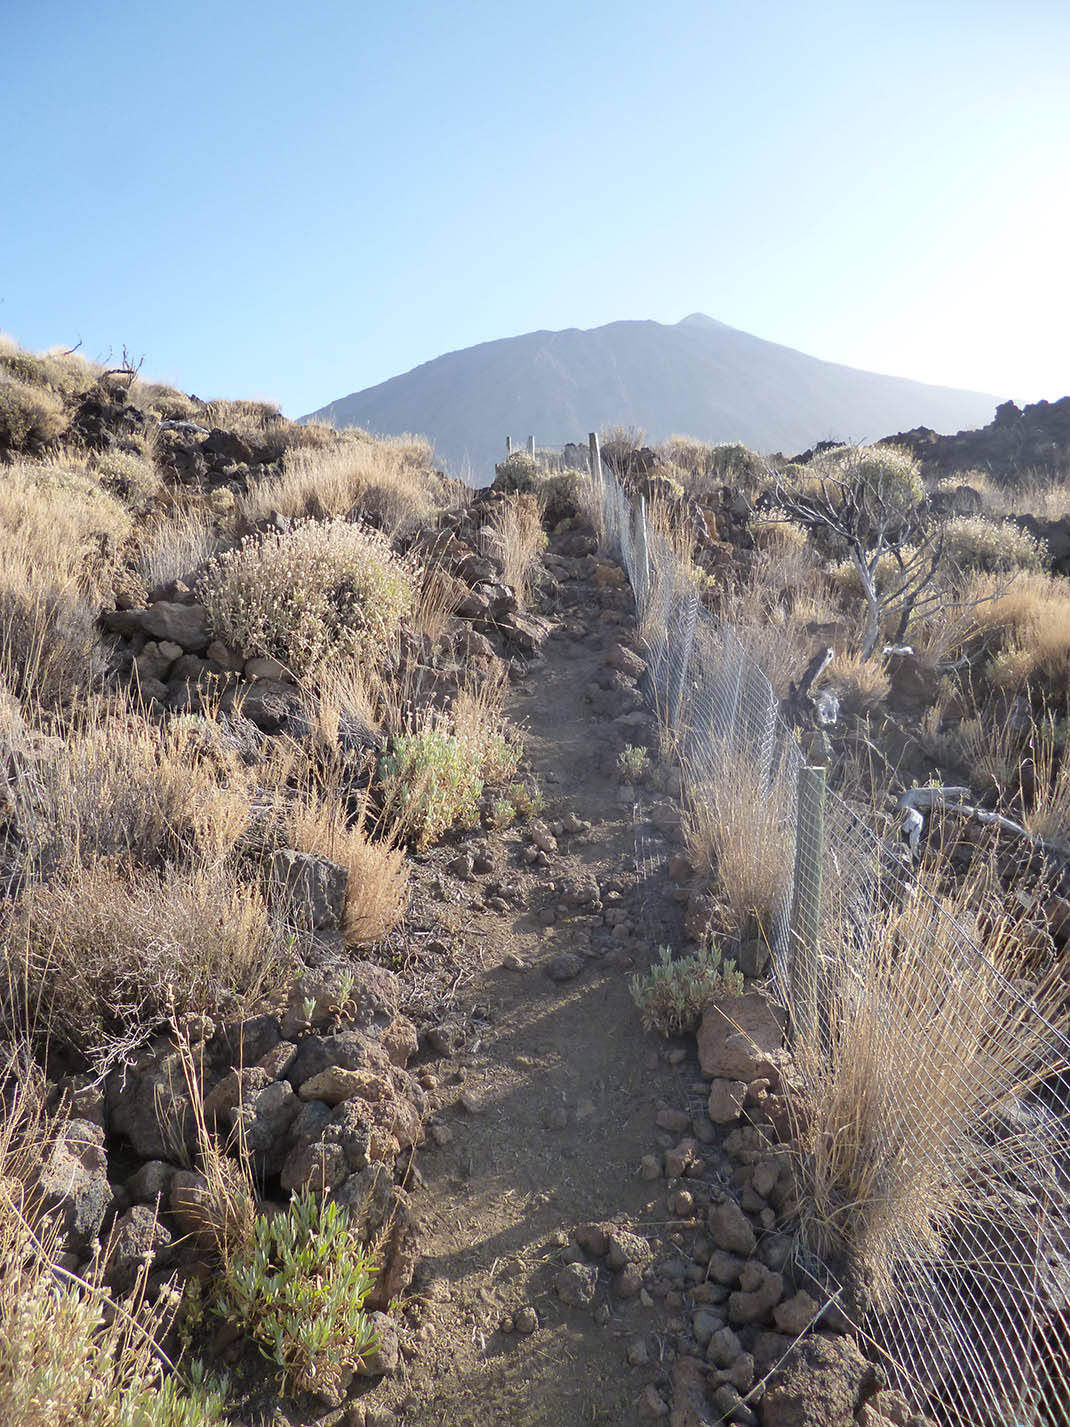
(931, 1090)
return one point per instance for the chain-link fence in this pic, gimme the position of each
(932, 1123)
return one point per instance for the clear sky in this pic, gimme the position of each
(300, 200)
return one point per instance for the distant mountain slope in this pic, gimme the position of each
(697, 378)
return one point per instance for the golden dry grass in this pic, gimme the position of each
(378, 876)
(737, 829)
(862, 684)
(908, 1089)
(96, 959)
(122, 787)
(516, 533)
(389, 481)
(69, 1355)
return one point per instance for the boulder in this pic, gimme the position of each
(822, 1383)
(184, 624)
(576, 1285)
(314, 888)
(137, 1241)
(383, 1359)
(729, 1227)
(73, 1183)
(741, 1038)
(760, 1291)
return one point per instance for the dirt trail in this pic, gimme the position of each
(567, 1087)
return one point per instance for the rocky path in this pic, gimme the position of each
(548, 1115)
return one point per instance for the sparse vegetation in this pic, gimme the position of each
(633, 763)
(299, 1292)
(673, 994)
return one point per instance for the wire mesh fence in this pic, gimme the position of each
(932, 1090)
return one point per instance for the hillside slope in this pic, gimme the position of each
(698, 377)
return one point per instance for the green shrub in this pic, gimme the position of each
(299, 1292)
(885, 480)
(518, 472)
(433, 776)
(974, 543)
(633, 762)
(672, 995)
(319, 591)
(30, 417)
(431, 783)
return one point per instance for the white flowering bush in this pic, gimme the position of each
(320, 591)
(974, 543)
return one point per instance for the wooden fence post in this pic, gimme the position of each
(806, 905)
(508, 445)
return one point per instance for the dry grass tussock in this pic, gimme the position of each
(378, 877)
(738, 832)
(910, 1089)
(63, 532)
(1045, 496)
(782, 611)
(122, 787)
(516, 531)
(176, 544)
(390, 481)
(861, 684)
(97, 959)
(69, 1357)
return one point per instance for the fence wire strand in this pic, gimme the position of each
(947, 1082)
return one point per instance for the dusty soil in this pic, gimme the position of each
(560, 1090)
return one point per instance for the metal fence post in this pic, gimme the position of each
(531, 447)
(508, 445)
(806, 905)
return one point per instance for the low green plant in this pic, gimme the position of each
(673, 993)
(431, 782)
(633, 763)
(502, 813)
(525, 802)
(299, 1291)
(432, 776)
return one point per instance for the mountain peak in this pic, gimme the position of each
(699, 319)
(697, 377)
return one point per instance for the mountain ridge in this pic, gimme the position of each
(697, 377)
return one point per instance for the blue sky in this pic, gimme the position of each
(298, 201)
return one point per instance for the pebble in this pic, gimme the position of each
(675, 1121)
(650, 1166)
(470, 1101)
(556, 1119)
(512, 962)
(682, 1204)
(638, 1352)
(576, 1285)
(629, 1281)
(564, 966)
(525, 1320)
(651, 1403)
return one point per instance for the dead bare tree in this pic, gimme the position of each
(870, 508)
